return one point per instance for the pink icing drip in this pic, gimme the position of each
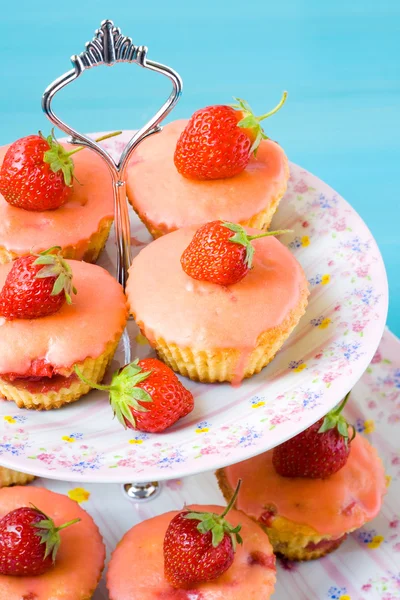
(169, 304)
(137, 565)
(82, 330)
(322, 504)
(79, 560)
(71, 224)
(159, 192)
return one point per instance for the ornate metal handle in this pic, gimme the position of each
(108, 47)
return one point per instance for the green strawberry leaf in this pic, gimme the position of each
(334, 419)
(217, 524)
(242, 238)
(49, 534)
(54, 265)
(59, 159)
(250, 121)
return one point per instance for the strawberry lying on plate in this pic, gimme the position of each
(146, 395)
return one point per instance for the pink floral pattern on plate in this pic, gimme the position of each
(365, 567)
(324, 357)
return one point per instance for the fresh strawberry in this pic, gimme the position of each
(218, 140)
(319, 451)
(36, 286)
(215, 255)
(146, 395)
(199, 547)
(37, 173)
(29, 542)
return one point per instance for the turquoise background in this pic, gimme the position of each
(339, 60)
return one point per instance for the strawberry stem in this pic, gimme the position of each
(268, 233)
(60, 527)
(99, 139)
(242, 238)
(334, 419)
(274, 110)
(232, 500)
(217, 523)
(49, 533)
(96, 386)
(341, 406)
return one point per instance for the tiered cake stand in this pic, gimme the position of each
(324, 357)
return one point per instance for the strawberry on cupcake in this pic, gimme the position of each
(217, 301)
(56, 314)
(220, 164)
(49, 547)
(202, 552)
(311, 491)
(53, 194)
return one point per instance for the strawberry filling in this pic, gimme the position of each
(267, 517)
(40, 378)
(325, 544)
(262, 559)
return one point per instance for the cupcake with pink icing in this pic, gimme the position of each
(205, 552)
(217, 302)
(49, 547)
(218, 165)
(310, 492)
(54, 315)
(53, 194)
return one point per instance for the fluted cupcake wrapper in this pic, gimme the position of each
(89, 253)
(10, 477)
(93, 369)
(213, 365)
(260, 220)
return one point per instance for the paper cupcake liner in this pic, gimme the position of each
(89, 253)
(289, 539)
(209, 366)
(260, 220)
(92, 368)
(9, 477)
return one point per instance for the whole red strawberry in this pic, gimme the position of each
(36, 286)
(199, 547)
(221, 252)
(319, 451)
(218, 140)
(36, 173)
(29, 542)
(146, 395)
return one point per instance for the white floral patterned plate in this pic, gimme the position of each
(325, 356)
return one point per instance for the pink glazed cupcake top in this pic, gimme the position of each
(171, 305)
(137, 565)
(80, 558)
(78, 331)
(164, 197)
(340, 503)
(73, 223)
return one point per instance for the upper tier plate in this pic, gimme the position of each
(327, 353)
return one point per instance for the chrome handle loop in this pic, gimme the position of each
(109, 47)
